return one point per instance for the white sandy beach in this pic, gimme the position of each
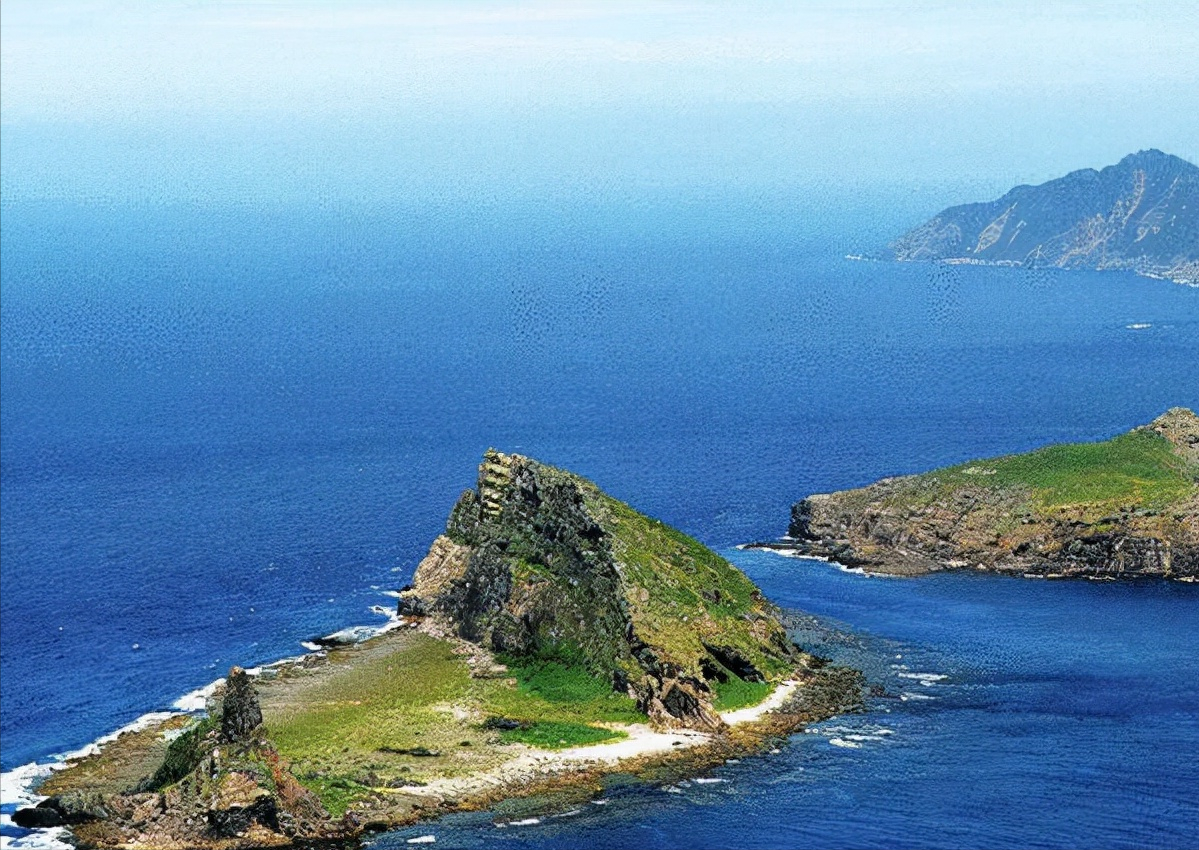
(642, 741)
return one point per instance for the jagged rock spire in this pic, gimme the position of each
(241, 714)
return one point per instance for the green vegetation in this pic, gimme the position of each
(336, 794)
(382, 700)
(184, 753)
(340, 728)
(556, 690)
(738, 693)
(1140, 467)
(681, 593)
(556, 735)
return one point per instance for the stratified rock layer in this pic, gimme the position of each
(1125, 508)
(540, 562)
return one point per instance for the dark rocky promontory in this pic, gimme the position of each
(537, 561)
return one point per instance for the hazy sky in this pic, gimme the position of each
(245, 100)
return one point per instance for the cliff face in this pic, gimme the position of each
(540, 562)
(1141, 214)
(1123, 508)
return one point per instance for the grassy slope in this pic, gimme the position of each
(1137, 470)
(333, 727)
(1139, 467)
(681, 593)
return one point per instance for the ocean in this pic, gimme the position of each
(226, 430)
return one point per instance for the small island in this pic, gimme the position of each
(1141, 215)
(1124, 508)
(550, 635)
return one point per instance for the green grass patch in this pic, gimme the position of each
(681, 593)
(381, 701)
(335, 793)
(553, 690)
(738, 693)
(1139, 468)
(557, 735)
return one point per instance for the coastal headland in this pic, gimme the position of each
(1123, 508)
(552, 636)
(1137, 215)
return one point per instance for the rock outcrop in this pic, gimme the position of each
(221, 785)
(64, 810)
(1124, 508)
(240, 713)
(1141, 214)
(538, 561)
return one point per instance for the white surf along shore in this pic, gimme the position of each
(17, 786)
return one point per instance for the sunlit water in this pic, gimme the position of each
(221, 441)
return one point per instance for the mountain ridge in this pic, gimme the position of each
(1140, 214)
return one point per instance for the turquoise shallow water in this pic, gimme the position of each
(224, 435)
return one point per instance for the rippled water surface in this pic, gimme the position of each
(222, 436)
(1019, 714)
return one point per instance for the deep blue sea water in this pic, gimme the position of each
(224, 431)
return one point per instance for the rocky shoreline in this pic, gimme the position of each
(85, 795)
(552, 635)
(1124, 509)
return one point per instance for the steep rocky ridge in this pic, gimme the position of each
(537, 561)
(1141, 214)
(1124, 508)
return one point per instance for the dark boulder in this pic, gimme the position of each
(41, 816)
(411, 605)
(235, 820)
(71, 808)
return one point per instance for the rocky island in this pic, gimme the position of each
(1140, 215)
(1124, 508)
(550, 635)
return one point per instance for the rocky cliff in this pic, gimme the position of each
(549, 616)
(1141, 214)
(539, 562)
(1124, 508)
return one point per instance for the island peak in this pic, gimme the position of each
(540, 562)
(1141, 214)
(550, 635)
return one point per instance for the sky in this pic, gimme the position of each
(323, 101)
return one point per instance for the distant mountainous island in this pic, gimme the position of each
(1140, 215)
(1127, 507)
